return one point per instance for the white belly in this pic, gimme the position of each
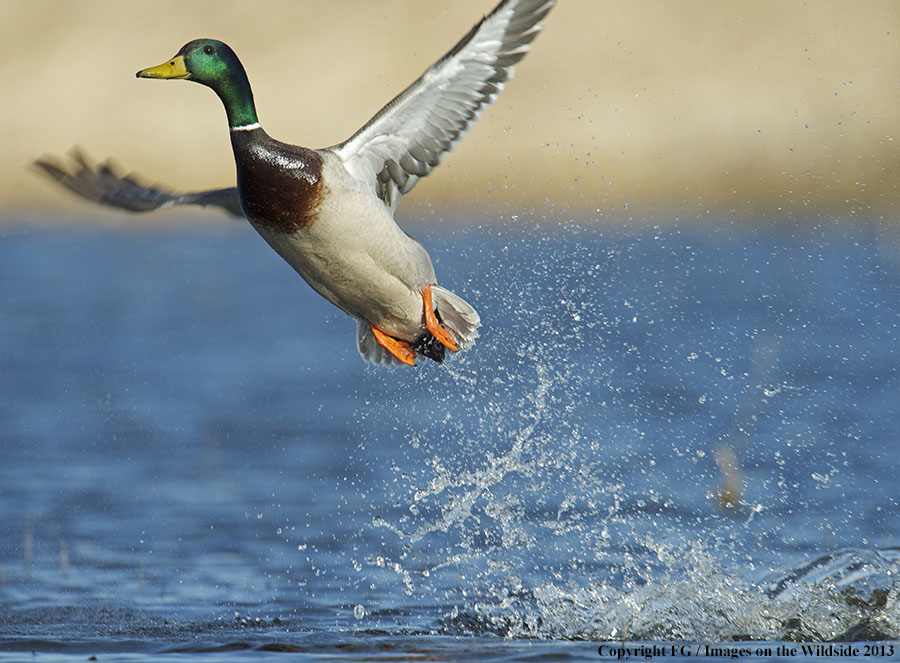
(356, 256)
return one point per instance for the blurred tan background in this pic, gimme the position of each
(623, 110)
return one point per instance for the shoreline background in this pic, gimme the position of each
(694, 109)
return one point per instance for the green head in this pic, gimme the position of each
(214, 64)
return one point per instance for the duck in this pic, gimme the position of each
(329, 212)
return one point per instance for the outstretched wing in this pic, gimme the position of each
(103, 184)
(407, 138)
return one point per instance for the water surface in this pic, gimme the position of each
(682, 435)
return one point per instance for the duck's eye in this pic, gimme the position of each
(209, 50)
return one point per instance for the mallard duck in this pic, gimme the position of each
(330, 212)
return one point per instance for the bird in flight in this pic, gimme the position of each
(330, 212)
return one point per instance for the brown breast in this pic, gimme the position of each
(280, 184)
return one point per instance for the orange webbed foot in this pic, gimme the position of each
(401, 350)
(432, 324)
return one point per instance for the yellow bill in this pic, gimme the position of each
(174, 68)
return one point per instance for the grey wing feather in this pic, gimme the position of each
(104, 184)
(407, 138)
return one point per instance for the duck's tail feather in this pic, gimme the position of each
(457, 316)
(369, 349)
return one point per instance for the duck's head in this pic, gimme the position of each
(205, 61)
(212, 63)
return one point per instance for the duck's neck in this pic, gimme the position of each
(237, 97)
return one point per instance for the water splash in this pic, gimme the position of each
(468, 486)
(570, 486)
(711, 605)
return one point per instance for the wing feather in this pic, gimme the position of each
(407, 138)
(106, 185)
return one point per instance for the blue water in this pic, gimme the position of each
(662, 435)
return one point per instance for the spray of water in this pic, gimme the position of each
(576, 478)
